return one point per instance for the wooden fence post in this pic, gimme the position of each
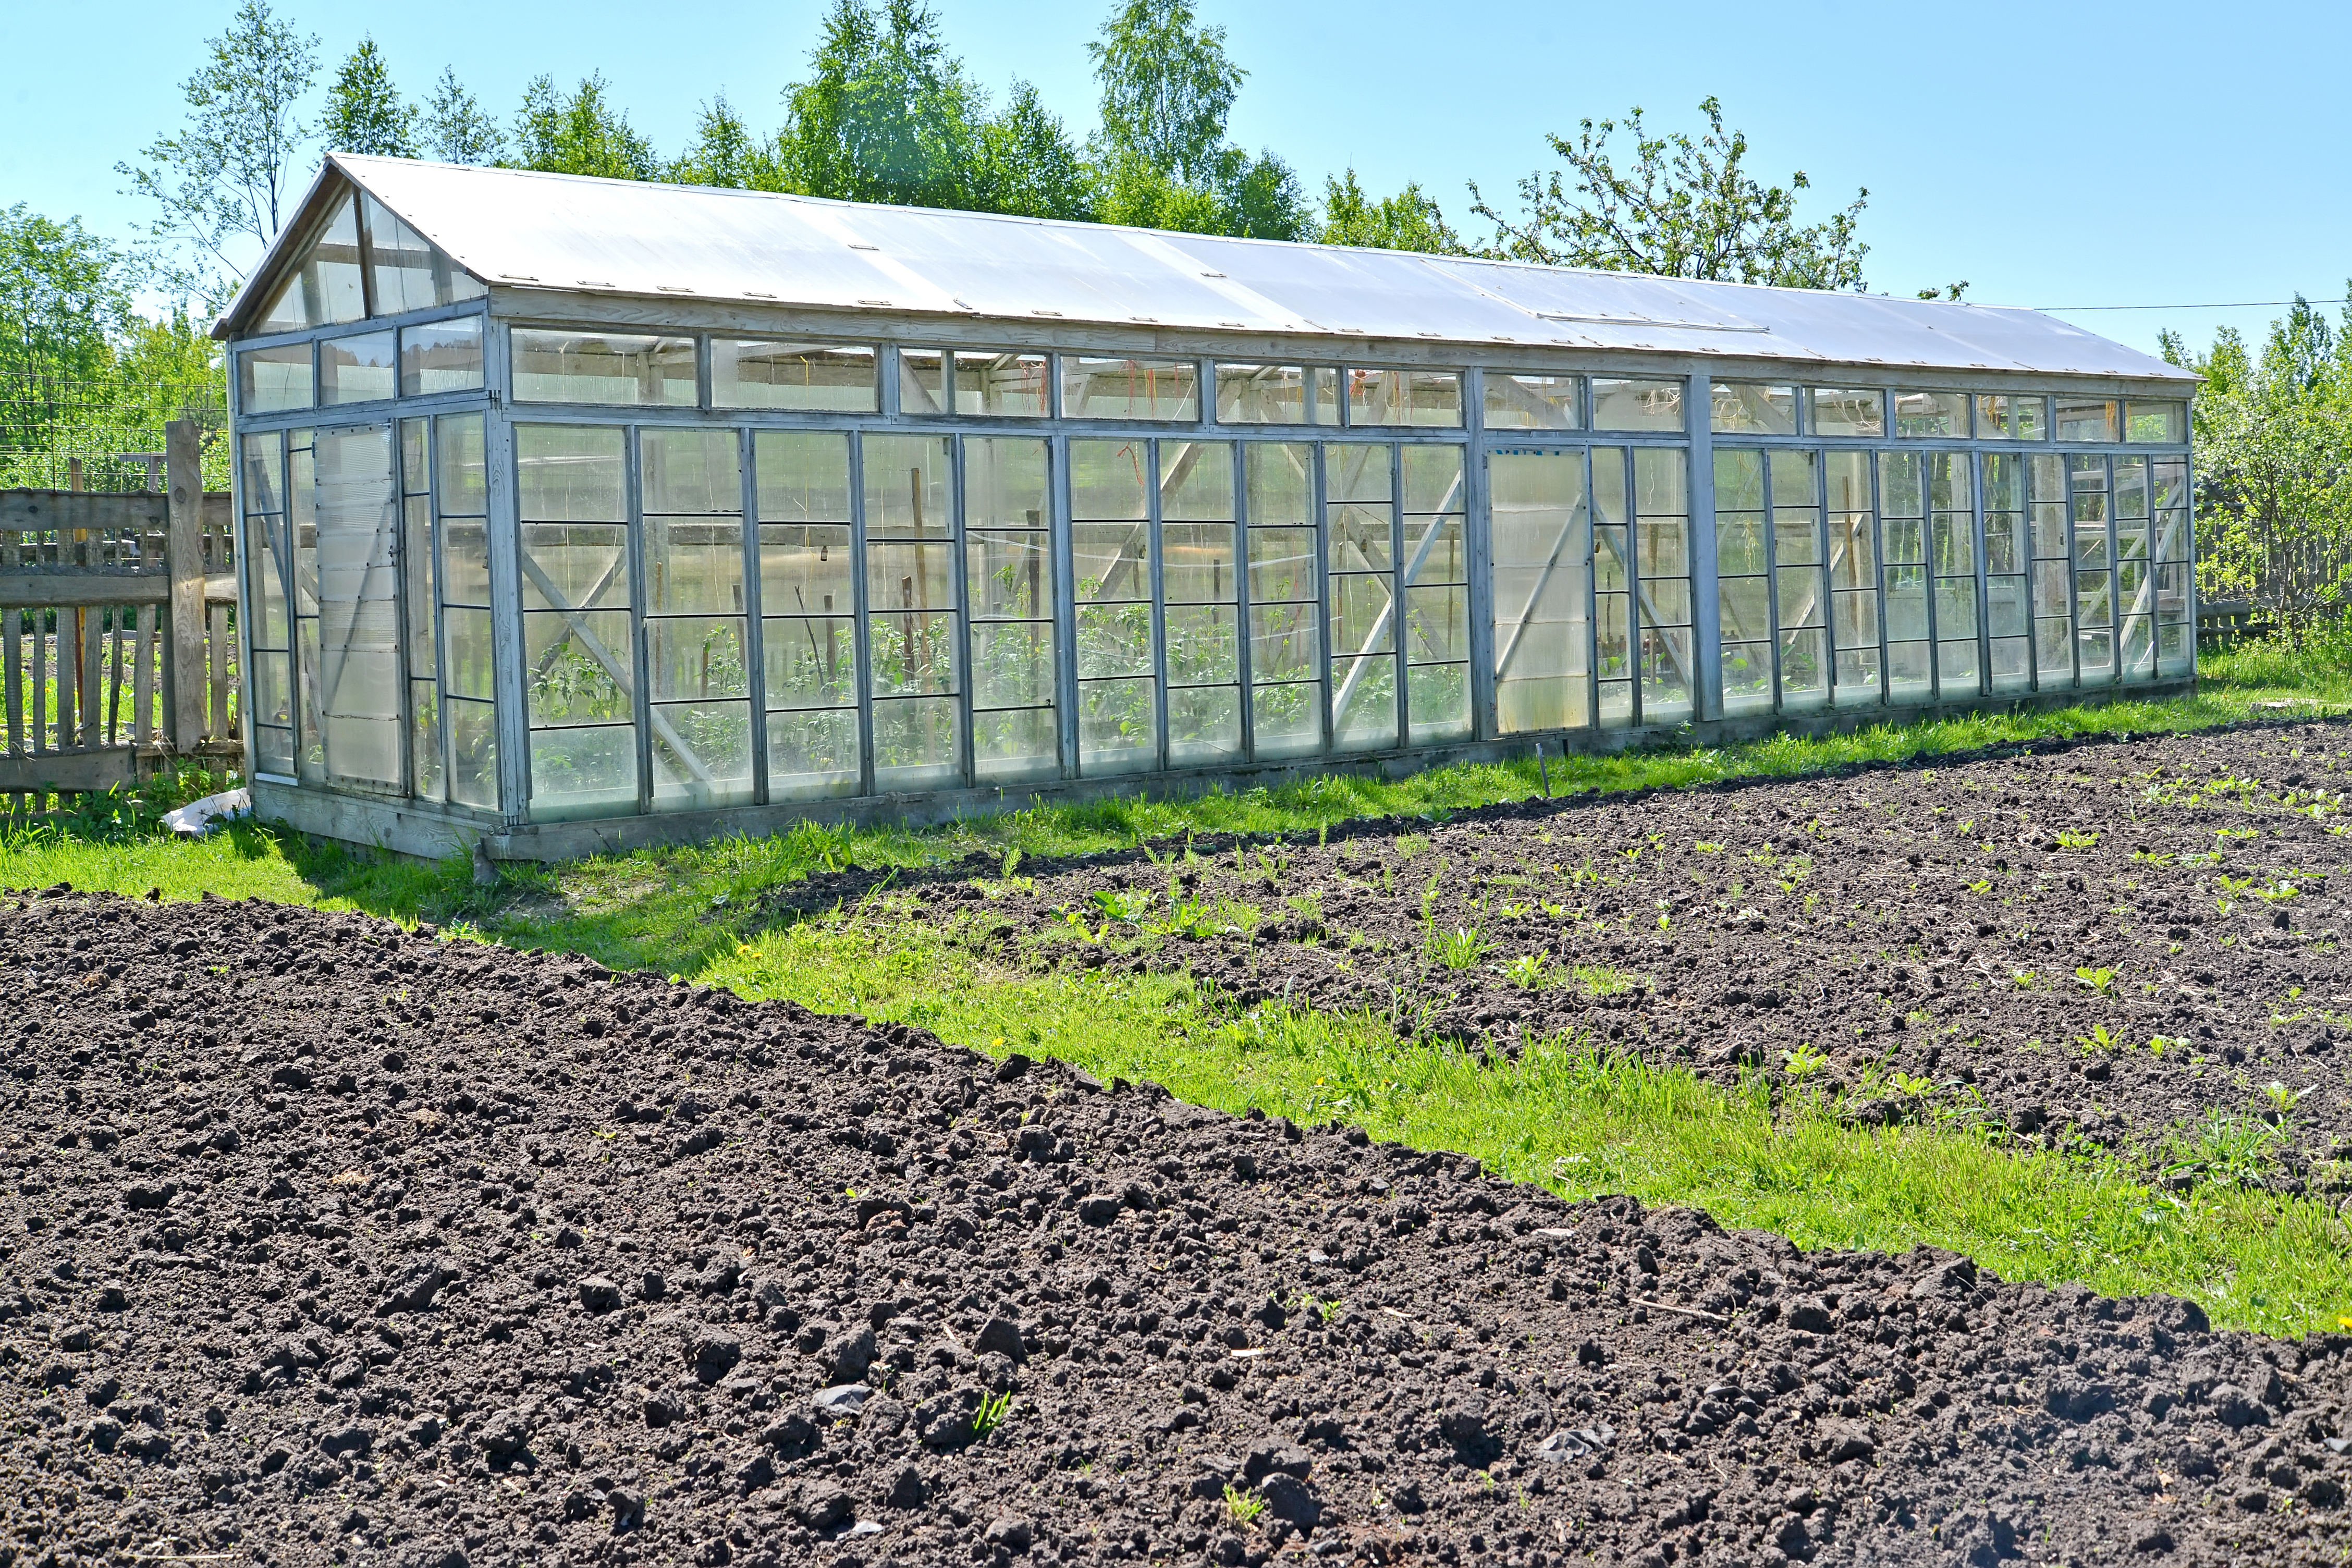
(183, 560)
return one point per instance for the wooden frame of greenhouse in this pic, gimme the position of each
(580, 514)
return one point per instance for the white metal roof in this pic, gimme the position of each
(517, 229)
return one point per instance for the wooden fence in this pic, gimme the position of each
(118, 651)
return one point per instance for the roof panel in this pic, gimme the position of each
(523, 229)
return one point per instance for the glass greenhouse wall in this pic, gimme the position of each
(515, 570)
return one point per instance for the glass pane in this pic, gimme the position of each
(913, 653)
(1853, 560)
(1847, 476)
(2005, 607)
(1424, 397)
(1205, 725)
(906, 482)
(409, 273)
(1285, 643)
(1110, 560)
(1931, 413)
(1129, 388)
(1281, 563)
(1753, 409)
(1747, 676)
(1008, 573)
(1438, 697)
(1004, 483)
(583, 773)
(1859, 411)
(268, 380)
(466, 650)
(2131, 488)
(804, 569)
(1906, 603)
(1661, 551)
(358, 673)
(690, 471)
(1015, 744)
(804, 476)
(1527, 401)
(273, 747)
(1013, 664)
(812, 661)
(1804, 668)
(1661, 481)
(568, 566)
(902, 577)
(1797, 537)
(916, 744)
(2004, 541)
(1623, 405)
(1364, 703)
(1955, 607)
(1280, 477)
(1739, 542)
(810, 377)
(1357, 472)
(1114, 639)
(1196, 563)
(2171, 482)
(1360, 539)
(1435, 550)
(473, 748)
(695, 659)
(1955, 544)
(569, 473)
(1432, 478)
(1902, 490)
(609, 367)
(1800, 596)
(324, 288)
(1362, 616)
(702, 755)
(1542, 659)
(445, 357)
(1277, 394)
(1437, 624)
(812, 754)
(1108, 479)
(1665, 673)
(2085, 419)
(360, 369)
(1002, 385)
(922, 383)
(1289, 719)
(417, 559)
(1745, 605)
(460, 491)
(1196, 480)
(2029, 418)
(1117, 725)
(577, 667)
(1795, 478)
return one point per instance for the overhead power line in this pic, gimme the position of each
(2232, 305)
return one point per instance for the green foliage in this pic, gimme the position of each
(2274, 434)
(1406, 221)
(365, 113)
(1684, 207)
(726, 153)
(64, 296)
(887, 114)
(456, 129)
(219, 186)
(579, 133)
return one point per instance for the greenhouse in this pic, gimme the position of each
(579, 513)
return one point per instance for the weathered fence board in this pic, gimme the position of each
(117, 642)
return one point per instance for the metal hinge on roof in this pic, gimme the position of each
(673, 288)
(874, 301)
(860, 245)
(1213, 275)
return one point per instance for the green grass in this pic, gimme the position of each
(1578, 1121)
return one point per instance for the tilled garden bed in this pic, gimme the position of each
(2122, 941)
(328, 1242)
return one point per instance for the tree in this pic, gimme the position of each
(220, 183)
(579, 133)
(456, 129)
(1168, 86)
(725, 153)
(1162, 157)
(365, 113)
(1684, 208)
(2273, 433)
(887, 114)
(1026, 163)
(1406, 221)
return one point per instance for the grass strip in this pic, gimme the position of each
(1581, 1122)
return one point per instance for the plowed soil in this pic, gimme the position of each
(2113, 941)
(325, 1242)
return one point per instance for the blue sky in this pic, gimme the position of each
(2052, 155)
